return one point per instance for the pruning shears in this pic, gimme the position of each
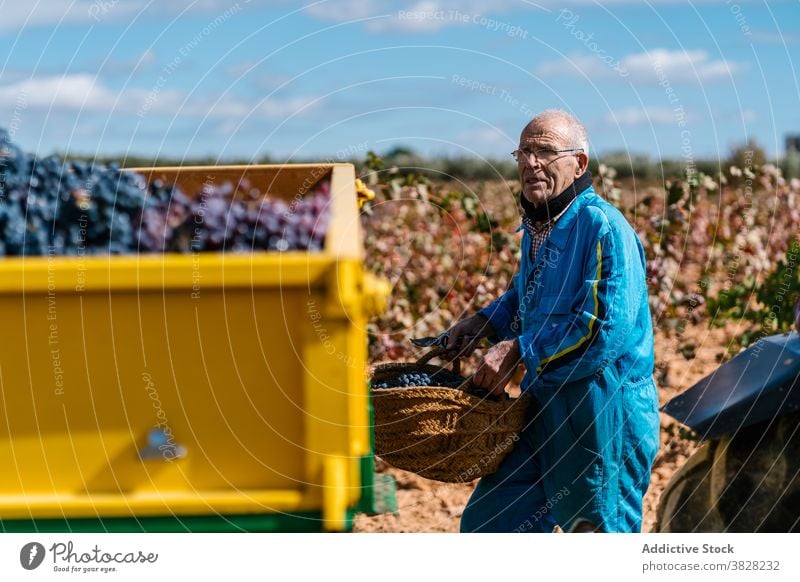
(440, 341)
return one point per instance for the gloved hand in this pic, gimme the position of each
(465, 336)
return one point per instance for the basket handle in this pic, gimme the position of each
(438, 352)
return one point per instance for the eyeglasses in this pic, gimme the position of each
(543, 154)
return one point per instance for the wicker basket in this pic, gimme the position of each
(445, 434)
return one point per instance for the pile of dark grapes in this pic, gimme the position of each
(50, 206)
(442, 378)
(214, 221)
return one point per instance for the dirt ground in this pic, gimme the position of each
(430, 506)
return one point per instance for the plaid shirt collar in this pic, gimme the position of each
(537, 228)
(539, 232)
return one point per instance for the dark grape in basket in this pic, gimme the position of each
(441, 378)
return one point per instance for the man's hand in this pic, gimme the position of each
(497, 367)
(457, 344)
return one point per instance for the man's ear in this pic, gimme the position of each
(583, 163)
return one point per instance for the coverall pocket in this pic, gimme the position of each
(584, 410)
(555, 309)
(571, 462)
(642, 423)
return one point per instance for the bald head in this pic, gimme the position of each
(566, 124)
(552, 154)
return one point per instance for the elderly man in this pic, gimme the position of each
(577, 316)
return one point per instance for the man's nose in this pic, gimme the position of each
(535, 164)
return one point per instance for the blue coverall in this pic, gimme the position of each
(581, 314)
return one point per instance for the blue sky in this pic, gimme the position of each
(333, 78)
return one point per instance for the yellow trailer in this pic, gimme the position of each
(202, 392)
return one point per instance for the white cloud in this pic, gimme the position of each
(84, 92)
(19, 14)
(416, 16)
(678, 65)
(346, 10)
(80, 91)
(424, 16)
(384, 15)
(649, 67)
(646, 116)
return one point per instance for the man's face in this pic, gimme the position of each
(545, 178)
